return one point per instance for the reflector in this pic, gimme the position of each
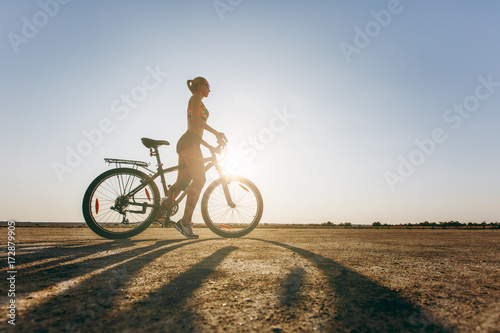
(223, 226)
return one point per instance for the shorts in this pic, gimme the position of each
(187, 141)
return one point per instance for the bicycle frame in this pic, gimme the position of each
(208, 161)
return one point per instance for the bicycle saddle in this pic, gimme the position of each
(150, 143)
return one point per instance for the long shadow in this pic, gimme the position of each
(62, 272)
(363, 305)
(65, 314)
(163, 311)
(42, 275)
(69, 251)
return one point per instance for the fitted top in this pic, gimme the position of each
(203, 113)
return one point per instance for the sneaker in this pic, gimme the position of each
(185, 230)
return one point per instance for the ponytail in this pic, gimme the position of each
(190, 85)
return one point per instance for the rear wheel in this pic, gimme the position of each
(119, 204)
(232, 221)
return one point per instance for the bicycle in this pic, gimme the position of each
(124, 201)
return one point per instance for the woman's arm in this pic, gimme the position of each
(204, 143)
(221, 137)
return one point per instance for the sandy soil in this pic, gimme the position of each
(286, 280)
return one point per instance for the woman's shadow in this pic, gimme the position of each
(360, 304)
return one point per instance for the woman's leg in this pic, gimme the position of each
(193, 158)
(183, 179)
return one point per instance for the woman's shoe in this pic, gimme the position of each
(185, 230)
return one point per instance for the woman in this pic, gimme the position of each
(188, 148)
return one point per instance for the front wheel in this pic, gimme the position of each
(120, 203)
(232, 206)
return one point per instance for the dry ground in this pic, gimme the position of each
(274, 280)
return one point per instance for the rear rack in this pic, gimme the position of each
(118, 162)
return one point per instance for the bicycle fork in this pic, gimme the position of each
(225, 189)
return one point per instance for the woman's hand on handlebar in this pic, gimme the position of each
(218, 149)
(221, 138)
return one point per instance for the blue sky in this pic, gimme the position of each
(402, 127)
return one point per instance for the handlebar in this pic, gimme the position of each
(219, 150)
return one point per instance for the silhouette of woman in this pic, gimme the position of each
(188, 148)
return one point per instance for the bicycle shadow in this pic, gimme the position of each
(361, 304)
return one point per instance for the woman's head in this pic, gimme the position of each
(200, 85)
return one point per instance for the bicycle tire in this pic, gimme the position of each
(237, 221)
(107, 191)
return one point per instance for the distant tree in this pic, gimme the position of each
(377, 224)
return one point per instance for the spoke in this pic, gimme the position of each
(241, 216)
(115, 187)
